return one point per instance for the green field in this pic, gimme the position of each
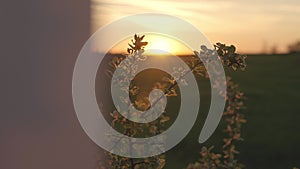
(272, 132)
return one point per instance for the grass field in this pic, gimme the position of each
(272, 132)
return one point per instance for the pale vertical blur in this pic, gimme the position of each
(254, 26)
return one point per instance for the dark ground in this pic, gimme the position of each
(271, 83)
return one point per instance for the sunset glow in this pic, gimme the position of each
(160, 46)
(157, 45)
(254, 26)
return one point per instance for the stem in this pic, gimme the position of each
(166, 92)
(132, 163)
(173, 85)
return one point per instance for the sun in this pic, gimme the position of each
(159, 45)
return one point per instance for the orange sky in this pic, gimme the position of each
(253, 26)
(156, 42)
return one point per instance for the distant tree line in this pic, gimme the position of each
(294, 47)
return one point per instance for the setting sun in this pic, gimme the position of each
(159, 45)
